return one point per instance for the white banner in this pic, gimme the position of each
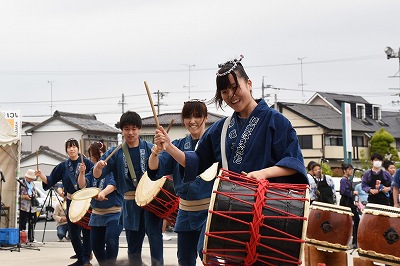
(13, 117)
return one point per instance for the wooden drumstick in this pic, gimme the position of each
(170, 125)
(80, 143)
(37, 160)
(152, 108)
(114, 151)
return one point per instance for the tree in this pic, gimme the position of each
(380, 143)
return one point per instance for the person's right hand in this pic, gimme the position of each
(101, 164)
(161, 138)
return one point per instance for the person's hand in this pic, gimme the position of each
(258, 175)
(38, 172)
(373, 191)
(355, 192)
(82, 168)
(161, 138)
(101, 196)
(101, 164)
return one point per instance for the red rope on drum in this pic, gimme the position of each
(258, 219)
(250, 255)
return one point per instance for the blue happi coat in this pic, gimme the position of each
(196, 190)
(113, 199)
(265, 139)
(67, 172)
(117, 165)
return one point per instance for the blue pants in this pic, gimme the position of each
(105, 242)
(62, 230)
(188, 247)
(151, 225)
(80, 244)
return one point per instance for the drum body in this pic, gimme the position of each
(79, 212)
(378, 234)
(330, 226)
(255, 223)
(158, 197)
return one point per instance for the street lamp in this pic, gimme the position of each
(390, 53)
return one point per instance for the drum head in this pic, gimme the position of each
(86, 193)
(316, 205)
(78, 209)
(210, 173)
(148, 189)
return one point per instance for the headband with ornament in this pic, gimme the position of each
(234, 63)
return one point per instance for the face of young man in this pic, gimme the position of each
(131, 135)
(73, 152)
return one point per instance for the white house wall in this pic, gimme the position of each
(54, 140)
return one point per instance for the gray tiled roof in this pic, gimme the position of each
(165, 119)
(393, 120)
(336, 99)
(47, 151)
(324, 116)
(85, 123)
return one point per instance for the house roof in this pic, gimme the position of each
(85, 122)
(336, 99)
(165, 119)
(45, 150)
(324, 116)
(393, 120)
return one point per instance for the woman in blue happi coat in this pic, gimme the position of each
(195, 195)
(68, 173)
(106, 210)
(258, 139)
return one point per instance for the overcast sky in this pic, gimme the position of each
(92, 52)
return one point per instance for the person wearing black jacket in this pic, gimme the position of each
(347, 193)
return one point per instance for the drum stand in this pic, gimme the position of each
(18, 246)
(49, 206)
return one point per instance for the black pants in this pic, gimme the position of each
(29, 217)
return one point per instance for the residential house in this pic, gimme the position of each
(49, 136)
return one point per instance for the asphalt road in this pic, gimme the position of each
(47, 232)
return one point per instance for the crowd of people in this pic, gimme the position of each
(256, 140)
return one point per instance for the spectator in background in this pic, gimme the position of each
(312, 182)
(361, 199)
(325, 186)
(376, 182)
(395, 189)
(391, 169)
(347, 194)
(60, 217)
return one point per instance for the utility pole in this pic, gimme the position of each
(189, 86)
(262, 88)
(51, 95)
(160, 96)
(302, 83)
(122, 103)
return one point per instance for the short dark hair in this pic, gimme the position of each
(194, 107)
(387, 163)
(71, 142)
(314, 165)
(376, 156)
(346, 166)
(130, 118)
(309, 165)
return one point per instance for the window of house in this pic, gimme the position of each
(358, 141)
(376, 112)
(335, 140)
(305, 141)
(360, 111)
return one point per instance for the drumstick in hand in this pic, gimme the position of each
(81, 150)
(114, 151)
(37, 160)
(170, 125)
(152, 108)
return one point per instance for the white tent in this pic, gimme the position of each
(9, 163)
